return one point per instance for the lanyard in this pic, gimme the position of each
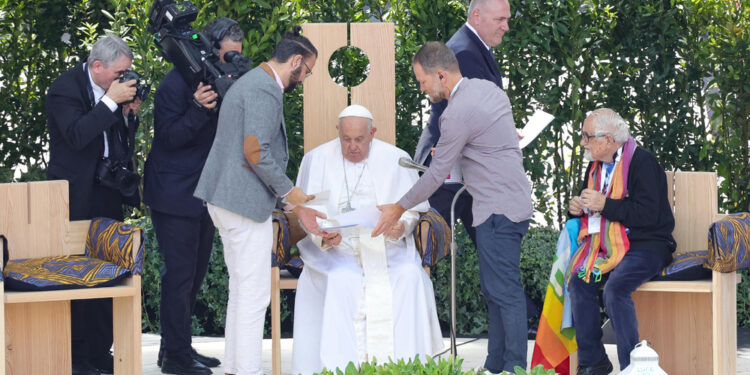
(608, 168)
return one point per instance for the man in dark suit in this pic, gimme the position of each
(184, 129)
(91, 116)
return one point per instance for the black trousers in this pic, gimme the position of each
(91, 319)
(441, 201)
(91, 328)
(185, 244)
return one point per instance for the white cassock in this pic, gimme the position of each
(343, 314)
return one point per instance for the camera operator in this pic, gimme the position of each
(184, 129)
(92, 124)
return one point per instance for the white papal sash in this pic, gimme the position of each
(378, 296)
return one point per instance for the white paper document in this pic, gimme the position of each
(366, 216)
(538, 121)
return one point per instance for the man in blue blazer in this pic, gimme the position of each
(184, 128)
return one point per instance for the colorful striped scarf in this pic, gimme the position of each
(599, 253)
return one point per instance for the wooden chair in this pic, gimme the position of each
(34, 218)
(691, 324)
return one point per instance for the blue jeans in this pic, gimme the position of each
(499, 249)
(636, 267)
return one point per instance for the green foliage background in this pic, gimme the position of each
(677, 70)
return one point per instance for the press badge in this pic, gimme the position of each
(595, 223)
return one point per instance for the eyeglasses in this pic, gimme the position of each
(585, 136)
(309, 71)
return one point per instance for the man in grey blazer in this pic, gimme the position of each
(477, 131)
(243, 180)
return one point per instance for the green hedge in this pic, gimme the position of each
(415, 367)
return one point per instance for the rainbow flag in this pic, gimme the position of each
(556, 337)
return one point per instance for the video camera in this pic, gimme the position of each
(193, 54)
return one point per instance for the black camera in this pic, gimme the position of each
(194, 56)
(115, 175)
(141, 89)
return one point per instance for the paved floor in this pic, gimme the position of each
(472, 351)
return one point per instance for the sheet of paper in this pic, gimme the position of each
(321, 199)
(336, 228)
(538, 121)
(366, 216)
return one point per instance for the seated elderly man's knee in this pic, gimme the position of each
(580, 289)
(615, 291)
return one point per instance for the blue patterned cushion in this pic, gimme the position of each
(729, 243)
(686, 266)
(112, 241)
(61, 272)
(438, 244)
(282, 256)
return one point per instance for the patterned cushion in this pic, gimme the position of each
(112, 241)
(61, 272)
(282, 256)
(729, 243)
(686, 266)
(438, 244)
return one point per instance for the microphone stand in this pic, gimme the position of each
(454, 247)
(408, 163)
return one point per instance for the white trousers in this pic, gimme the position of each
(247, 254)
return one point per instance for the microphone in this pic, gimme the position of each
(408, 163)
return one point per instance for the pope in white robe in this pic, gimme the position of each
(361, 298)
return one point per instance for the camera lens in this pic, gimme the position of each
(127, 181)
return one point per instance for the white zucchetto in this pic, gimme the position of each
(356, 110)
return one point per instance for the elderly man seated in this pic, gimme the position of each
(361, 298)
(625, 236)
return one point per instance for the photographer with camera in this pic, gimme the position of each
(184, 128)
(92, 123)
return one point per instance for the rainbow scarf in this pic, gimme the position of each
(599, 253)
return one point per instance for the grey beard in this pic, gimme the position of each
(587, 155)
